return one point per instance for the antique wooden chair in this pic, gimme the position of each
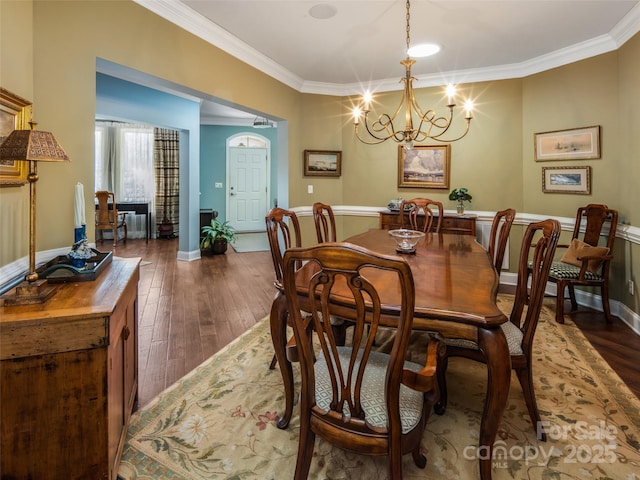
(519, 332)
(500, 228)
(410, 210)
(585, 262)
(325, 222)
(108, 217)
(354, 397)
(283, 231)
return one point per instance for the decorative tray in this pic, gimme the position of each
(59, 269)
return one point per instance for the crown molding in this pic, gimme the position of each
(188, 19)
(184, 17)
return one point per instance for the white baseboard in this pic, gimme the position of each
(586, 299)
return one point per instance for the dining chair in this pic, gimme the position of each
(325, 222)
(542, 237)
(500, 228)
(586, 262)
(354, 397)
(107, 216)
(283, 232)
(410, 214)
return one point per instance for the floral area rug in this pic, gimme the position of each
(218, 422)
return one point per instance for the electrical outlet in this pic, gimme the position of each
(631, 286)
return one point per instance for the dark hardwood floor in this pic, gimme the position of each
(190, 310)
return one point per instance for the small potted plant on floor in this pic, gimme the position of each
(216, 237)
(460, 195)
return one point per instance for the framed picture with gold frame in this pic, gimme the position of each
(572, 144)
(322, 163)
(15, 114)
(567, 180)
(424, 166)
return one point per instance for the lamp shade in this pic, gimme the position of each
(32, 145)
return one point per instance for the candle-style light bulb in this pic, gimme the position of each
(356, 115)
(451, 92)
(367, 97)
(468, 106)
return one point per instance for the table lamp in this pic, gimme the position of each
(32, 146)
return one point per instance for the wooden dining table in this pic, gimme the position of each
(455, 295)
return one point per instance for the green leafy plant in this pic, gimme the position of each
(460, 195)
(217, 230)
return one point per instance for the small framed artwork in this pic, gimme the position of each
(15, 114)
(574, 144)
(424, 166)
(322, 163)
(566, 180)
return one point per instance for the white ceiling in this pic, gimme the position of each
(360, 47)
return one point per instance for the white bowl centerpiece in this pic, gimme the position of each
(406, 239)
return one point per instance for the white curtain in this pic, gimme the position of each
(124, 166)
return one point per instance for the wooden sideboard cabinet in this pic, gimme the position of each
(69, 373)
(451, 223)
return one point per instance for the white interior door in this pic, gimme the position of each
(248, 188)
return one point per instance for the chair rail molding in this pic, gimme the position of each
(12, 273)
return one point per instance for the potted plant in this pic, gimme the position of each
(216, 237)
(460, 195)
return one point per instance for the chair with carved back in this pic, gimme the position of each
(500, 228)
(587, 260)
(108, 217)
(325, 222)
(283, 232)
(410, 214)
(520, 330)
(354, 397)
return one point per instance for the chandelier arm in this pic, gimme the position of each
(368, 142)
(384, 123)
(450, 140)
(466, 130)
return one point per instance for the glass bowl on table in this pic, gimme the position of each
(406, 240)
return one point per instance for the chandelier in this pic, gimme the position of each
(430, 126)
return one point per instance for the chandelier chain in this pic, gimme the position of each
(408, 26)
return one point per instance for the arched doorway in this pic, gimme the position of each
(248, 174)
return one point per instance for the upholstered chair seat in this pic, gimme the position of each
(566, 271)
(373, 384)
(512, 333)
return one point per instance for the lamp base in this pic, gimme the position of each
(30, 293)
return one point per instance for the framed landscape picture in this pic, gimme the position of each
(566, 180)
(322, 163)
(424, 166)
(575, 144)
(15, 114)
